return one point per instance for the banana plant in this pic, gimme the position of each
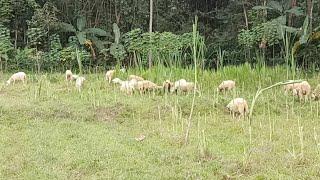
(86, 36)
(307, 35)
(117, 50)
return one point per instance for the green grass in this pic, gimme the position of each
(50, 131)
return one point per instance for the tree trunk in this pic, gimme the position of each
(290, 20)
(150, 31)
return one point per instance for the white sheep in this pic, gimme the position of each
(238, 106)
(109, 75)
(138, 78)
(178, 84)
(126, 86)
(79, 83)
(68, 75)
(117, 81)
(19, 76)
(183, 86)
(302, 90)
(226, 85)
(75, 77)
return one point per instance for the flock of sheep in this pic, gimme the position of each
(237, 106)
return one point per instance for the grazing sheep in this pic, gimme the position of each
(125, 86)
(238, 106)
(74, 77)
(138, 78)
(109, 75)
(167, 86)
(19, 76)
(79, 83)
(188, 87)
(178, 84)
(316, 93)
(289, 87)
(226, 85)
(183, 86)
(145, 85)
(128, 86)
(302, 90)
(117, 81)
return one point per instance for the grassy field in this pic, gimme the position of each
(50, 131)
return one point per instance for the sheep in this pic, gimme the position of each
(75, 77)
(316, 93)
(68, 75)
(183, 86)
(19, 76)
(145, 85)
(79, 83)
(238, 106)
(117, 81)
(125, 86)
(109, 75)
(226, 85)
(128, 86)
(178, 84)
(167, 86)
(138, 78)
(302, 90)
(290, 87)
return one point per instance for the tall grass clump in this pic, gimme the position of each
(197, 52)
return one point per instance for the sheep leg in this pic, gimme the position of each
(239, 117)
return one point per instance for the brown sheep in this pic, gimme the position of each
(145, 85)
(167, 86)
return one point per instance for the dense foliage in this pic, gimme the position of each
(48, 35)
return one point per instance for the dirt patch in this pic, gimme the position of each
(109, 114)
(63, 114)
